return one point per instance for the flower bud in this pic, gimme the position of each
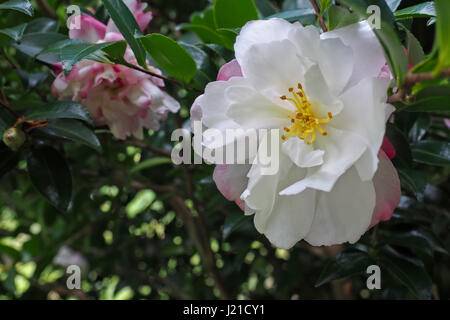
(14, 138)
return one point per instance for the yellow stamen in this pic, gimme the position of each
(304, 122)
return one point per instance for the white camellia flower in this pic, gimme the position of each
(324, 92)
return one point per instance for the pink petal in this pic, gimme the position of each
(447, 122)
(228, 70)
(91, 30)
(388, 147)
(387, 189)
(231, 180)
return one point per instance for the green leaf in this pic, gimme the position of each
(339, 17)
(13, 253)
(61, 110)
(431, 104)
(71, 54)
(265, 7)
(442, 33)
(51, 176)
(205, 34)
(14, 33)
(31, 80)
(421, 10)
(413, 180)
(206, 69)
(170, 56)
(435, 153)
(304, 15)
(415, 50)
(8, 159)
(42, 25)
(346, 264)
(128, 27)
(232, 222)
(149, 163)
(324, 6)
(420, 127)
(419, 239)
(403, 156)
(412, 276)
(231, 14)
(23, 6)
(393, 4)
(73, 130)
(33, 43)
(392, 46)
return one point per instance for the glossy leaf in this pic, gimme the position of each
(339, 17)
(413, 180)
(127, 26)
(73, 130)
(234, 13)
(51, 176)
(33, 43)
(170, 56)
(23, 6)
(304, 15)
(61, 110)
(436, 153)
(420, 239)
(232, 222)
(346, 264)
(15, 33)
(442, 33)
(421, 10)
(265, 7)
(403, 156)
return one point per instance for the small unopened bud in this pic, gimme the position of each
(14, 138)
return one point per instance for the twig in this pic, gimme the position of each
(319, 16)
(413, 78)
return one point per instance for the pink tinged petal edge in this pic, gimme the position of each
(388, 148)
(387, 189)
(91, 29)
(229, 70)
(231, 183)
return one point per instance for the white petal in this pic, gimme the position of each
(252, 110)
(260, 31)
(367, 52)
(344, 213)
(334, 58)
(302, 154)
(342, 150)
(274, 66)
(365, 114)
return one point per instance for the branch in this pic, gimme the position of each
(319, 16)
(412, 79)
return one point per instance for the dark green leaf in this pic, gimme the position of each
(206, 34)
(234, 13)
(403, 156)
(72, 130)
(346, 264)
(13, 253)
(61, 110)
(413, 180)
(42, 25)
(51, 176)
(14, 33)
(420, 127)
(415, 51)
(421, 10)
(31, 80)
(304, 15)
(8, 159)
(265, 7)
(339, 17)
(442, 32)
(23, 6)
(33, 43)
(419, 239)
(431, 104)
(233, 221)
(436, 153)
(412, 276)
(128, 26)
(206, 69)
(170, 56)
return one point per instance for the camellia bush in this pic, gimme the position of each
(114, 183)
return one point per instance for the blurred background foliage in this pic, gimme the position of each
(142, 228)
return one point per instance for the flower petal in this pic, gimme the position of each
(229, 70)
(388, 148)
(342, 150)
(231, 180)
(91, 29)
(365, 115)
(387, 189)
(301, 154)
(344, 213)
(366, 47)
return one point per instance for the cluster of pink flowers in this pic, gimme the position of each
(124, 99)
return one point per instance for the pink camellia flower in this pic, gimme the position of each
(124, 99)
(326, 94)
